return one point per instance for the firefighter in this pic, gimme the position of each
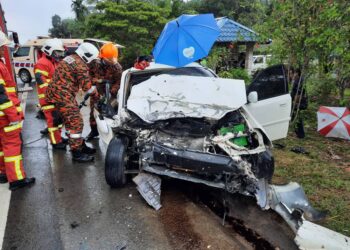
(53, 52)
(11, 118)
(71, 74)
(106, 68)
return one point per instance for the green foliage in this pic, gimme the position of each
(311, 34)
(240, 73)
(237, 73)
(216, 57)
(135, 24)
(75, 28)
(59, 28)
(321, 90)
(225, 74)
(79, 9)
(247, 12)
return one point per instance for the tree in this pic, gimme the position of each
(59, 29)
(313, 36)
(135, 24)
(247, 12)
(79, 9)
(75, 28)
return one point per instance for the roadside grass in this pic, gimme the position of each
(324, 173)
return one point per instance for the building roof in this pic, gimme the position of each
(231, 31)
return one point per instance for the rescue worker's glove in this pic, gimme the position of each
(92, 91)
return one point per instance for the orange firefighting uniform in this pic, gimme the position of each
(112, 73)
(10, 141)
(45, 69)
(70, 75)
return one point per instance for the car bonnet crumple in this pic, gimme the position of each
(168, 96)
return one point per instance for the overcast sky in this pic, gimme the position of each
(32, 18)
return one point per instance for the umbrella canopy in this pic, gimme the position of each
(334, 122)
(186, 39)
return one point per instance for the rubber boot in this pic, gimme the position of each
(87, 150)
(93, 133)
(21, 183)
(3, 178)
(45, 131)
(65, 140)
(60, 146)
(79, 156)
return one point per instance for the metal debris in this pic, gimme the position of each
(312, 236)
(149, 187)
(299, 150)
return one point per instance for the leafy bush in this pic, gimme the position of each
(225, 74)
(322, 89)
(235, 74)
(239, 73)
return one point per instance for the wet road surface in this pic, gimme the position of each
(72, 207)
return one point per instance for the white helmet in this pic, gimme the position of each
(3, 39)
(87, 51)
(52, 45)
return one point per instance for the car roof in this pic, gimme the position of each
(155, 66)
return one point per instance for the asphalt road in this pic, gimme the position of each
(72, 207)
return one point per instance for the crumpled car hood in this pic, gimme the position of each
(168, 96)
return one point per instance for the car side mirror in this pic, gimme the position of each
(253, 97)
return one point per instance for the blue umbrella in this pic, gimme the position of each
(186, 39)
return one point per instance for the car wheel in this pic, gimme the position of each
(115, 163)
(25, 76)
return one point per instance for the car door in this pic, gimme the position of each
(273, 106)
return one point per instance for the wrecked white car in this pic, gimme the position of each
(186, 123)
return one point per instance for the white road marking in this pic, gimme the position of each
(5, 193)
(5, 197)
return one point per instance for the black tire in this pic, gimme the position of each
(25, 76)
(115, 163)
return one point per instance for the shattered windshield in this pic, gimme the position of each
(185, 71)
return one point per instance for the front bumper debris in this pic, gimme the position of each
(290, 202)
(148, 186)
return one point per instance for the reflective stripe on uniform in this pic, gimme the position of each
(6, 105)
(10, 90)
(45, 73)
(48, 80)
(43, 85)
(47, 107)
(17, 160)
(13, 127)
(75, 136)
(41, 96)
(1, 154)
(52, 134)
(2, 81)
